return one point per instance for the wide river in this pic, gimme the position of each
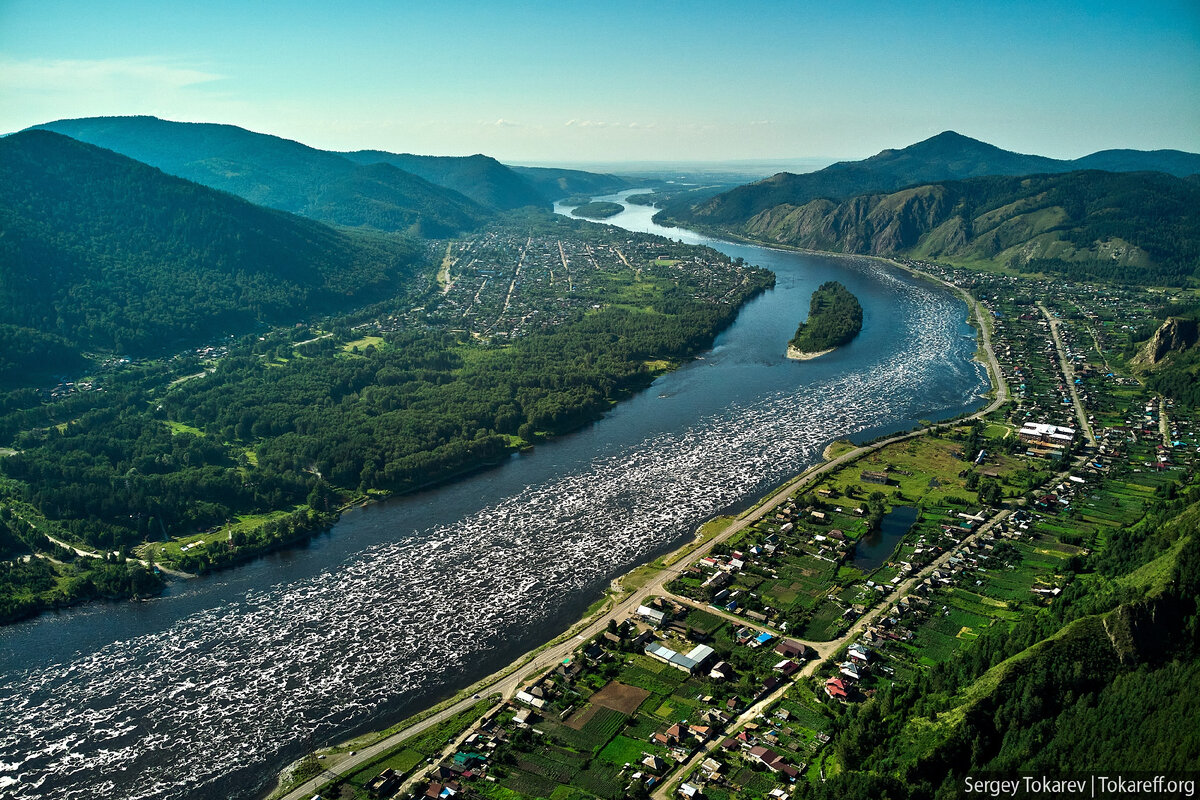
(208, 690)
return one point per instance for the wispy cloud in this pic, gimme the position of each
(593, 123)
(76, 75)
(503, 123)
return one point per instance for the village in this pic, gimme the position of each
(505, 282)
(727, 682)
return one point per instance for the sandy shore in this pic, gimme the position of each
(801, 355)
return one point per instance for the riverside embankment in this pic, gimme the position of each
(622, 604)
(410, 600)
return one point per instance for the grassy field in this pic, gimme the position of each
(180, 427)
(362, 344)
(932, 466)
(172, 550)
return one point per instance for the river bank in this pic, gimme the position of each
(240, 539)
(392, 613)
(620, 602)
(802, 355)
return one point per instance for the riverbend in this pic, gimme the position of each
(621, 604)
(391, 613)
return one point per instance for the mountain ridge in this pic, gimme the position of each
(108, 252)
(943, 157)
(1124, 226)
(281, 173)
(481, 178)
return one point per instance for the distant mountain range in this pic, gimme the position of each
(945, 157)
(101, 248)
(102, 251)
(953, 197)
(430, 196)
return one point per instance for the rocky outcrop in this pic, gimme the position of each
(1177, 333)
(875, 224)
(1082, 224)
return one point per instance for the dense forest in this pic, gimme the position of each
(28, 356)
(106, 253)
(56, 576)
(834, 318)
(301, 420)
(287, 175)
(262, 432)
(598, 210)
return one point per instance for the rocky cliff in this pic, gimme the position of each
(1177, 333)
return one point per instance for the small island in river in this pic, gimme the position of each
(598, 210)
(834, 318)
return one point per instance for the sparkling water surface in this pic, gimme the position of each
(210, 689)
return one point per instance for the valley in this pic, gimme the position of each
(519, 346)
(817, 664)
(359, 428)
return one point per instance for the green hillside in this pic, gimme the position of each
(1102, 679)
(555, 184)
(386, 198)
(108, 253)
(481, 178)
(945, 157)
(1122, 226)
(282, 174)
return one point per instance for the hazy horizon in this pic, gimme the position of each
(623, 82)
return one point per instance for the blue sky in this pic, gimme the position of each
(610, 81)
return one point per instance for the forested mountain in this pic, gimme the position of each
(282, 174)
(1173, 162)
(947, 156)
(1123, 226)
(481, 178)
(386, 198)
(106, 252)
(27, 356)
(1170, 358)
(555, 184)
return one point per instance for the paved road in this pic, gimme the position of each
(508, 681)
(1164, 422)
(1068, 374)
(825, 650)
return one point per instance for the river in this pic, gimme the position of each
(208, 690)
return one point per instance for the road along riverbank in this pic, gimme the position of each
(618, 606)
(362, 629)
